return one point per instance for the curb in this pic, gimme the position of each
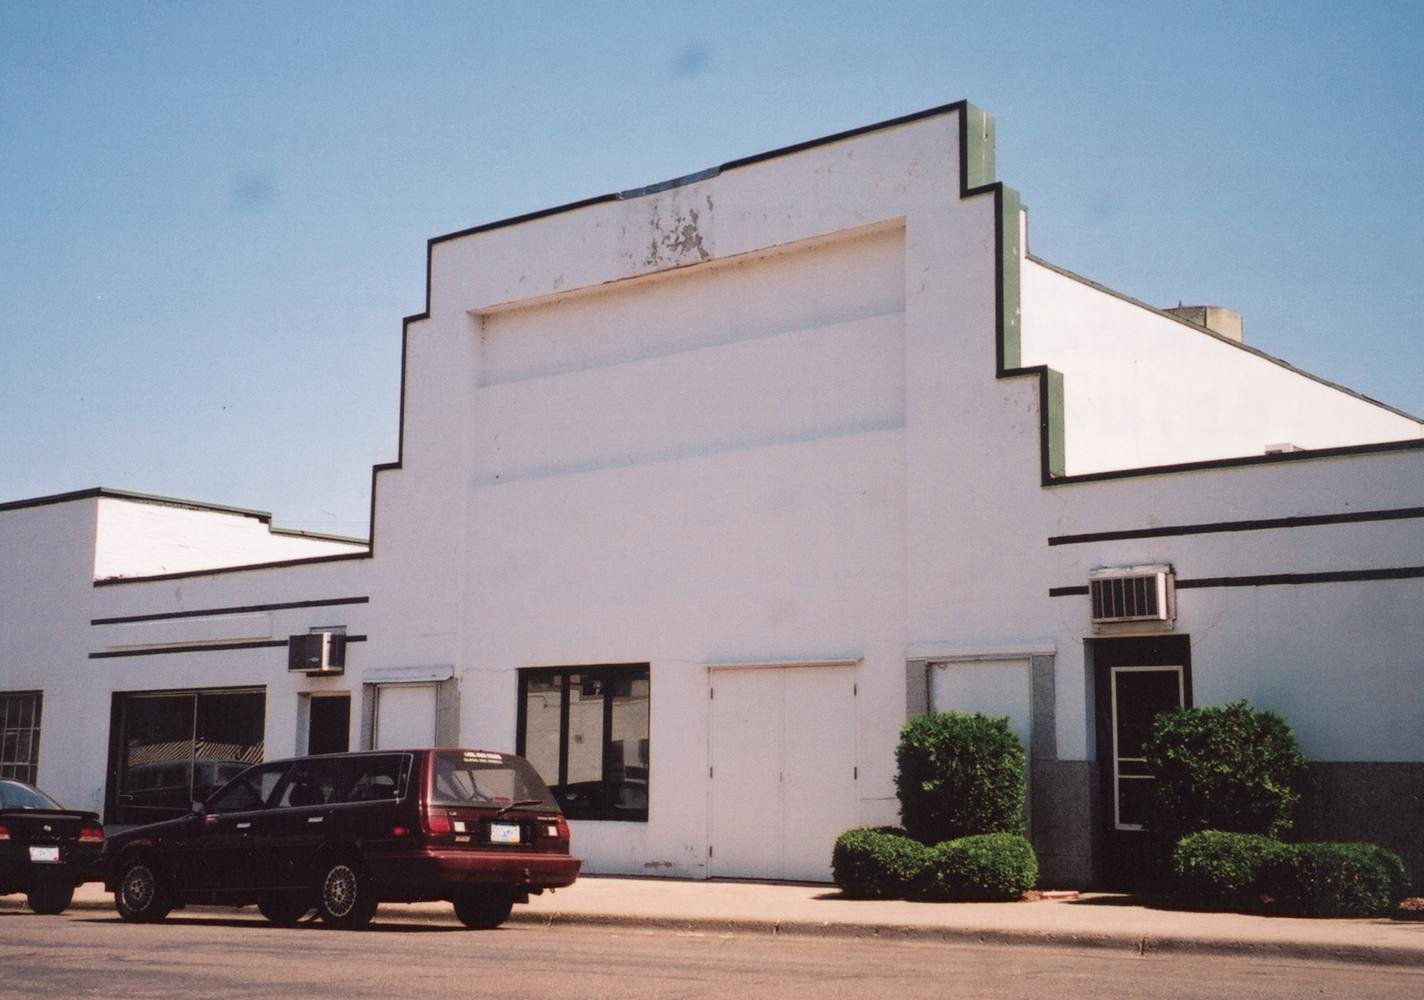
(1139, 946)
(1134, 945)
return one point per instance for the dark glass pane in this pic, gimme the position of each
(481, 778)
(627, 778)
(229, 737)
(543, 706)
(1141, 696)
(311, 783)
(364, 779)
(1134, 798)
(250, 790)
(155, 771)
(585, 737)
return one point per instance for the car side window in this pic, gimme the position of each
(311, 783)
(370, 779)
(249, 790)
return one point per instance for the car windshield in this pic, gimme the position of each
(482, 778)
(14, 795)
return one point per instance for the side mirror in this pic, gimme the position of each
(198, 808)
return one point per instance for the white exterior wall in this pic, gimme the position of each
(754, 421)
(1143, 389)
(147, 538)
(1342, 662)
(47, 556)
(683, 422)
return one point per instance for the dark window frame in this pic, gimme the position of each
(605, 672)
(26, 770)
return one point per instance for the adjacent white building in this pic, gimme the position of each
(704, 488)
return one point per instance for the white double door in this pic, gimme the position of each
(783, 777)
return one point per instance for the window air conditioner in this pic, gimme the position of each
(317, 653)
(1132, 594)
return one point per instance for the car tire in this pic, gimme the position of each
(141, 896)
(284, 909)
(51, 894)
(345, 896)
(484, 908)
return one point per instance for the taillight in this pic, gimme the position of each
(437, 823)
(91, 835)
(4, 833)
(563, 828)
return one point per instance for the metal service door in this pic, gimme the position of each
(405, 716)
(783, 776)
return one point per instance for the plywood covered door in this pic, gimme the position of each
(783, 778)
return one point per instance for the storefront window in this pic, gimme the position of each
(585, 729)
(172, 748)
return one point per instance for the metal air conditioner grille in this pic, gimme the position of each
(1130, 598)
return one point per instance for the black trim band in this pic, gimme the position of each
(1263, 524)
(214, 647)
(1290, 579)
(1277, 579)
(245, 609)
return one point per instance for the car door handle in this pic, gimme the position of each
(243, 826)
(315, 819)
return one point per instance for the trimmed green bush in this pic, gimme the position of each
(877, 863)
(959, 775)
(1214, 869)
(1334, 880)
(1231, 768)
(989, 866)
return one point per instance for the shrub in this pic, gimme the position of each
(959, 775)
(983, 867)
(1231, 768)
(1219, 870)
(1334, 880)
(877, 863)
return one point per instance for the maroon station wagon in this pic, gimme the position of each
(341, 833)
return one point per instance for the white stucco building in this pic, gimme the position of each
(704, 488)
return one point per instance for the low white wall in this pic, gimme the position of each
(147, 538)
(1143, 389)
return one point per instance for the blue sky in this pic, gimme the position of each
(213, 216)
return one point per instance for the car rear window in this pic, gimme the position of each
(484, 778)
(14, 795)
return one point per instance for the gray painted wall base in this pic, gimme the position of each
(1379, 803)
(1064, 805)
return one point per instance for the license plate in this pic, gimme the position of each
(504, 833)
(47, 855)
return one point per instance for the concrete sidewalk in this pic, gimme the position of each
(1090, 921)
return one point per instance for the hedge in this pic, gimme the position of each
(1230, 768)
(1334, 880)
(959, 775)
(1214, 869)
(883, 863)
(1219, 870)
(988, 866)
(877, 863)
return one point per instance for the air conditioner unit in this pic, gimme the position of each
(317, 653)
(1123, 595)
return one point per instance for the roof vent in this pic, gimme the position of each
(1124, 595)
(1219, 320)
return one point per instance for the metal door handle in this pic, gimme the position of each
(243, 826)
(315, 819)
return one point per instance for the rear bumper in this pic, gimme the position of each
(438, 874)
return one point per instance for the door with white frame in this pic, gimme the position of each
(783, 777)
(1135, 679)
